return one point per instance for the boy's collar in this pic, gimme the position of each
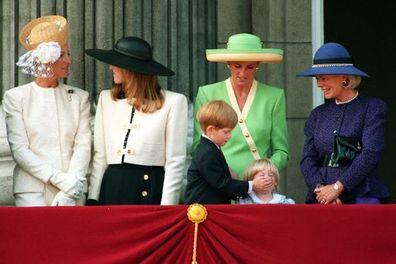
(205, 136)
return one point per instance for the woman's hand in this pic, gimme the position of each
(336, 201)
(328, 194)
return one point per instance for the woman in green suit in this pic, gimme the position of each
(262, 128)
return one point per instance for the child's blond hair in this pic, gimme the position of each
(259, 165)
(216, 113)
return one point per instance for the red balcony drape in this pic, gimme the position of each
(230, 234)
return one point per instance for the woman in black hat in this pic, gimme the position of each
(344, 137)
(140, 131)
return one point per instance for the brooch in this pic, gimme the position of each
(69, 94)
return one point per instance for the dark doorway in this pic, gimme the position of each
(366, 29)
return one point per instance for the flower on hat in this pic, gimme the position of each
(37, 61)
(48, 52)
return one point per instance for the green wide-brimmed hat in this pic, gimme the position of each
(244, 47)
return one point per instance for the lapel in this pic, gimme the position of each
(209, 144)
(242, 116)
(233, 100)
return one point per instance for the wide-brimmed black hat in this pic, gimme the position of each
(131, 53)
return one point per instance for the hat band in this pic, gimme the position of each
(331, 65)
(131, 55)
(332, 60)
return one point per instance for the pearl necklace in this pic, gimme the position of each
(349, 100)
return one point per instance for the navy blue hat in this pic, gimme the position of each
(332, 59)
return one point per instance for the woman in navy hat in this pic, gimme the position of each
(140, 131)
(344, 137)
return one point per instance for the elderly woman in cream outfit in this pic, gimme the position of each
(47, 121)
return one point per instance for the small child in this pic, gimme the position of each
(264, 168)
(209, 179)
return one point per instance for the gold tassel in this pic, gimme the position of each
(197, 214)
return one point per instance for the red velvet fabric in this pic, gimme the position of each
(230, 234)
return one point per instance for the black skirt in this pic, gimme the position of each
(132, 184)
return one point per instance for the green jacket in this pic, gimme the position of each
(265, 120)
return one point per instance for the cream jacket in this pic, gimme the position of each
(48, 130)
(155, 139)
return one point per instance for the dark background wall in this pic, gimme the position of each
(366, 29)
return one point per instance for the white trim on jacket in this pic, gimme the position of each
(157, 139)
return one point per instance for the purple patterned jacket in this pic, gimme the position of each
(363, 118)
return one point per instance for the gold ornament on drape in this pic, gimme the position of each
(197, 214)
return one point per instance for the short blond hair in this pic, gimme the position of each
(259, 165)
(353, 81)
(216, 113)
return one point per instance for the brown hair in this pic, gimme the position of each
(217, 113)
(141, 90)
(259, 165)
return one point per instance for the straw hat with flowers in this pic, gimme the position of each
(43, 38)
(44, 29)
